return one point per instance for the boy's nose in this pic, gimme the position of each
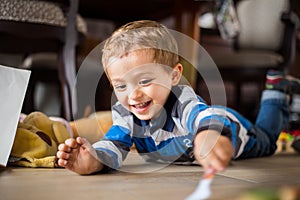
(135, 93)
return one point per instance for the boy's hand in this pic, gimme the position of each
(211, 149)
(79, 156)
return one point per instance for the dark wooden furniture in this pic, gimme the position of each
(22, 36)
(184, 12)
(267, 40)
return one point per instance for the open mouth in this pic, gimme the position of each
(142, 106)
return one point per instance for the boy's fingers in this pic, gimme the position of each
(87, 146)
(214, 161)
(223, 155)
(62, 162)
(62, 155)
(63, 147)
(218, 164)
(204, 163)
(71, 142)
(80, 140)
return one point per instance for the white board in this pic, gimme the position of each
(13, 85)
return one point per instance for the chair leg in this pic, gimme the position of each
(67, 77)
(67, 64)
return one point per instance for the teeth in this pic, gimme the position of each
(141, 105)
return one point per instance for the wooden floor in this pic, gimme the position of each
(141, 181)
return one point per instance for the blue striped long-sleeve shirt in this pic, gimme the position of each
(169, 138)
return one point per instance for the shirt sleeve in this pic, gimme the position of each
(114, 147)
(198, 116)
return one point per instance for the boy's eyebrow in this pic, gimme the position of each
(137, 74)
(145, 73)
(116, 80)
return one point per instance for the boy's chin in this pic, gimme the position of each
(143, 117)
(148, 116)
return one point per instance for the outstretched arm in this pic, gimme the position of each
(213, 150)
(79, 156)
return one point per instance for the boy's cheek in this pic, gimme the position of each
(122, 98)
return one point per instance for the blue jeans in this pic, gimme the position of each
(272, 117)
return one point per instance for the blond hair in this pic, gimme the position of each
(144, 35)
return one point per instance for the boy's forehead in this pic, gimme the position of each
(132, 58)
(121, 69)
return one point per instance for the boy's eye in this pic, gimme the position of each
(120, 87)
(145, 82)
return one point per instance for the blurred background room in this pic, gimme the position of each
(224, 28)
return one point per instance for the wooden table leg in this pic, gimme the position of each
(187, 15)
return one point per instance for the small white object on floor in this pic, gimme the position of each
(203, 190)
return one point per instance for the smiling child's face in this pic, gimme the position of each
(141, 85)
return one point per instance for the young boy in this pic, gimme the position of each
(166, 121)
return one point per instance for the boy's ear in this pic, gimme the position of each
(177, 73)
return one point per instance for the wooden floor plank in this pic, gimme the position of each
(155, 182)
